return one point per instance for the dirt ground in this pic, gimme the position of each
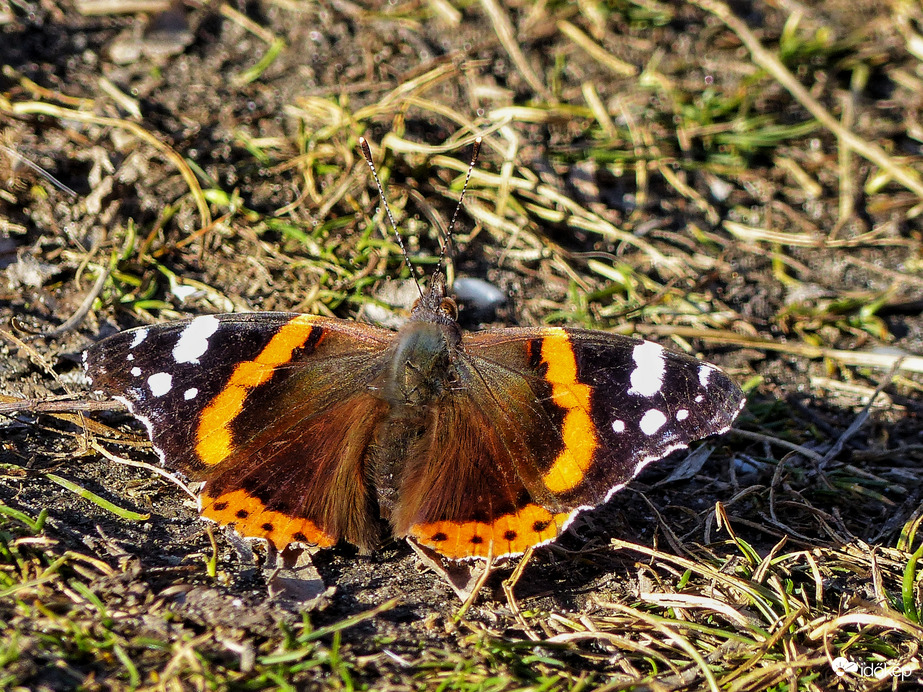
(646, 170)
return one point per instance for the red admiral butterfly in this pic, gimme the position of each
(311, 430)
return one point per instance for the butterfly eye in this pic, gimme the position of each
(449, 307)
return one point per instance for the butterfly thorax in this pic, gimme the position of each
(421, 360)
(419, 366)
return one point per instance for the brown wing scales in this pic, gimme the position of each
(463, 493)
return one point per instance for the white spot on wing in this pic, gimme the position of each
(705, 372)
(650, 365)
(136, 371)
(140, 335)
(652, 421)
(193, 341)
(190, 393)
(618, 426)
(160, 383)
(661, 453)
(682, 414)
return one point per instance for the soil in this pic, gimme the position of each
(246, 139)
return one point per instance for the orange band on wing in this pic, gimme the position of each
(213, 436)
(578, 431)
(252, 519)
(509, 534)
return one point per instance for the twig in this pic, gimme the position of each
(38, 169)
(509, 586)
(84, 308)
(476, 589)
(148, 467)
(857, 358)
(10, 405)
(860, 419)
(791, 446)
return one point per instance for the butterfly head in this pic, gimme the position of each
(435, 305)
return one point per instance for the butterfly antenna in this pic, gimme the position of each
(440, 266)
(367, 153)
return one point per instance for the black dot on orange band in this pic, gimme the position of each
(299, 536)
(477, 539)
(242, 514)
(510, 535)
(221, 506)
(439, 537)
(540, 526)
(267, 526)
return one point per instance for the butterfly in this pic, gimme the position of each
(313, 430)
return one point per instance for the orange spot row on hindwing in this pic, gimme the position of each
(505, 535)
(252, 519)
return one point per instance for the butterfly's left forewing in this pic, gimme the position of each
(549, 422)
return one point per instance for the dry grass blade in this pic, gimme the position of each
(602, 56)
(37, 108)
(889, 622)
(753, 234)
(396, 99)
(104, 7)
(507, 35)
(899, 361)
